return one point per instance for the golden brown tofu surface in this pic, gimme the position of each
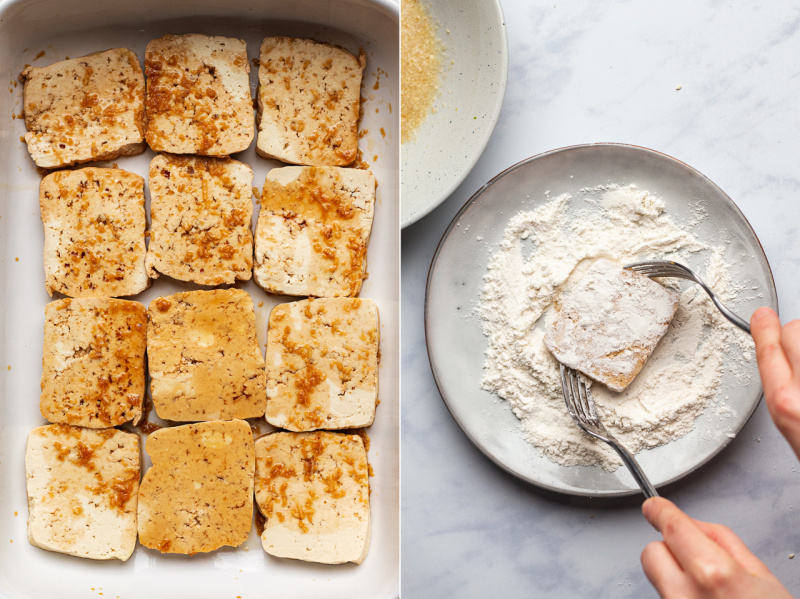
(309, 100)
(198, 495)
(93, 362)
(84, 109)
(313, 230)
(204, 358)
(200, 210)
(198, 95)
(94, 232)
(322, 364)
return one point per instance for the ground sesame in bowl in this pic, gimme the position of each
(422, 53)
(454, 65)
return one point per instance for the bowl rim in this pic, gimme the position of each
(481, 144)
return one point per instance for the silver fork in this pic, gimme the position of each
(583, 411)
(667, 268)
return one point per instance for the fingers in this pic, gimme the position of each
(727, 540)
(778, 356)
(705, 563)
(663, 571)
(701, 560)
(790, 342)
(773, 363)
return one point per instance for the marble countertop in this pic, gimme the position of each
(715, 85)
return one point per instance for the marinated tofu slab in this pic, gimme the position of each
(84, 109)
(313, 490)
(322, 364)
(198, 95)
(94, 230)
(309, 97)
(198, 495)
(93, 363)
(313, 230)
(200, 212)
(204, 358)
(82, 490)
(609, 323)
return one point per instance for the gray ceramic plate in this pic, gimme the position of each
(473, 82)
(456, 343)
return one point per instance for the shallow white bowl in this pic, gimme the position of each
(76, 28)
(449, 142)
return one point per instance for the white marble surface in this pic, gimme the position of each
(715, 85)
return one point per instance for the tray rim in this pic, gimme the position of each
(12, 12)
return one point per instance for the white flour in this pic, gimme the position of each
(609, 322)
(546, 249)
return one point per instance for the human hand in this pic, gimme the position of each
(778, 356)
(702, 560)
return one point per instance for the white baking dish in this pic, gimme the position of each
(76, 28)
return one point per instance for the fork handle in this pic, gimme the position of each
(636, 471)
(742, 324)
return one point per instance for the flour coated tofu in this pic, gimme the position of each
(84, 109)
(93, 362)
(309, 97)
(198, 494)
(200, 216)
(94, 232)
(204, 358)
(609, 322)
(198, 95)
(322, 364)
(313, 230)
(313, 490)
(82, 490)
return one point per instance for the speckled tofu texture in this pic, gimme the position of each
(608, 323)
(204, 358)
(198, 495)
(94, 231)
(84, 109)
(200, 212)
(82, 490)
(93, 368)
(313, 490)
(308, 100)
(313, 230)
(322, 364)
(198, 95)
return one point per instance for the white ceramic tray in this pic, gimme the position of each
(76, 28)
(456, 345)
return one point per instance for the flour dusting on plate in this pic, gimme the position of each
(547, 249)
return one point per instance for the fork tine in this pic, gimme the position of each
(588, 408)
(668, 268)
(587, 402)
(660, 268)
(648, 267)
(647, 271)
(566, 388)
(581, 393)
(576, 395)
(580, 398)
(580, 404)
